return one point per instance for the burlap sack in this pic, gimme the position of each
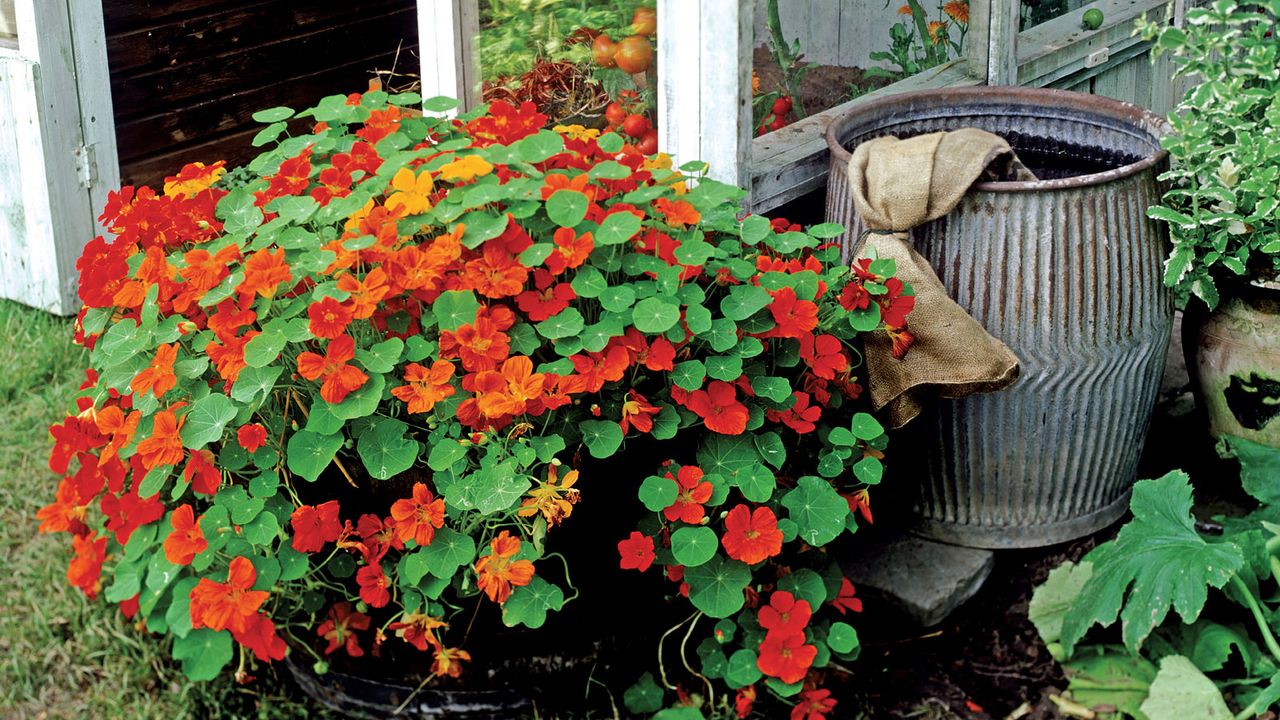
(897, 185)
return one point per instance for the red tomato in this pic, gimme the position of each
(635, 125)
(614, 113)
(648, 144)
(645, 21)
(634, 54)
(782, 105)
(603, 49)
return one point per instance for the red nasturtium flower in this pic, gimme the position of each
(339, 629)
(158, 377)
(417, 518)
(743, 701)
(480, 345)
(497, 573)
(313, 527)
(751, 536)
(693, 492)
(203, 475)
(228, 605)
(637, 412)
(425, 387)
(785, 614)
(338, 378)
(794, 317)
(845, 598)
(786, 656)
(259, 636)
(251, 436)
(636, 551)
(719, 408)
(187, 539)
(814, 705)
(328, 318)
(85, 569)
(373, 586)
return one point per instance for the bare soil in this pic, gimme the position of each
(822, 87)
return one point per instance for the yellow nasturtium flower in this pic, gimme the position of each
(412, 192)
(465, 168)
(577, 132)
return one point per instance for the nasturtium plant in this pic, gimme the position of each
(347, 393)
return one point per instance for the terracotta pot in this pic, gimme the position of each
(1234, 361)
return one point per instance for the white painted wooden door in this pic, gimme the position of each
(57, 148)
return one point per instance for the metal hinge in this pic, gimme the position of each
(86, 166)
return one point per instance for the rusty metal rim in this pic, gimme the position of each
(1136, 117)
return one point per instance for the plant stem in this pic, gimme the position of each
(1272, 646)
(786, 61)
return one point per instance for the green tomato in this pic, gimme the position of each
(1092, 19)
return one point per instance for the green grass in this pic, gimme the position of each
(61, 655)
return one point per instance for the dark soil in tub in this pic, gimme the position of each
(822, 87)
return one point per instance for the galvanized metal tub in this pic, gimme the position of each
(1067, 272)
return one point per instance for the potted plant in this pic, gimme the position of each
(345, 404)
(1222, 209)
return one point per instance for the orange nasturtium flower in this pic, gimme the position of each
(497, 574)
(553, 498)
(418, 517)
(751, 536)
(187, 539)
(678, 213)
(465, 168)
(263, 272)
(158, 377)
(228, 605)
(328, 318)
(193, 178)
(426, 387)
(509, 390)
(163, 446)
(338, 379)
(365, 294)
(448, 662)
(935, 28)
(412, 194)
(418, 629)
(571, 250)
(958, 10)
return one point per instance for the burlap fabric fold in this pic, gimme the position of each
(897, 185)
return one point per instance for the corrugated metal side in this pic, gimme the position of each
(1070, 279)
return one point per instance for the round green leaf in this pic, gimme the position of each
(528, 605)
(757, 483)
(455, 308)
(206, 420)
(742, 670)
(308, 453)
(602, 437)
(203, 653)
(385, 450)
(564, 324)
(842, 638)
(817, 509)
(866, 427)
(655, 315)
(567, 208)
(869, 470)
(617, 228)
(644, 697)
(658, 493)
(693, 546)
(715, 587)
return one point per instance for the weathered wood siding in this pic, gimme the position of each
(186, 75)
(843, 33)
